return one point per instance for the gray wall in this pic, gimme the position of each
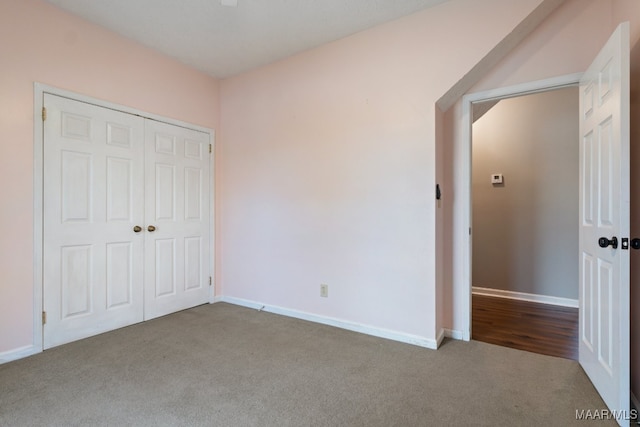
(525, 232)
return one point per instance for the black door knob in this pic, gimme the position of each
(635, 243)
(604, 242)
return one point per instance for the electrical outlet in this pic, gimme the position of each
(324, 290)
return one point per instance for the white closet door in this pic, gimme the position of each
(93, 199)
(177, 218)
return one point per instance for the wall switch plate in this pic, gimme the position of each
(496, 178)
(324, 290)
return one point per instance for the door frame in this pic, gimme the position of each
(38, 191)
(462, 226)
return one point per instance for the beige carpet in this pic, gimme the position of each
(221, 365)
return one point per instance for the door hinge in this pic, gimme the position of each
(210, 148)
(44, 114)
(44, 317)
(210, 281)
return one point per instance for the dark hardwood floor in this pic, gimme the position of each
(539, 328)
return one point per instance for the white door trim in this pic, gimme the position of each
(38, 190)
(463, 256)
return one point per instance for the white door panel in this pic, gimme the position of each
(93, 192)
(177, 205)
(604, 212)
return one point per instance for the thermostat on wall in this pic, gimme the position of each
(496, 178)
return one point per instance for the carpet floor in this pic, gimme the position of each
(223, 365)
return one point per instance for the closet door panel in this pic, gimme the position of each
(93, 197)
(177, 211)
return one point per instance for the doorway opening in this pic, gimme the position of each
(524, 203)
(604, 122)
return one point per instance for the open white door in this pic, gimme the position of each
(604, 213)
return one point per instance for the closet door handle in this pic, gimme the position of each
(137, 229)
(151, 229)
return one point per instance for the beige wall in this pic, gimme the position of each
(525, 232)
(42, 44)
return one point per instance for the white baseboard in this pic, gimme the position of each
(350, 326)
(544, 299)
(453, 334)
(441, 336)
(19, 353)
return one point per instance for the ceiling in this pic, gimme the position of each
(223, 41)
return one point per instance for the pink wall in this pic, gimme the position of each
(41, 43)
(328, 163)
(563, 44)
